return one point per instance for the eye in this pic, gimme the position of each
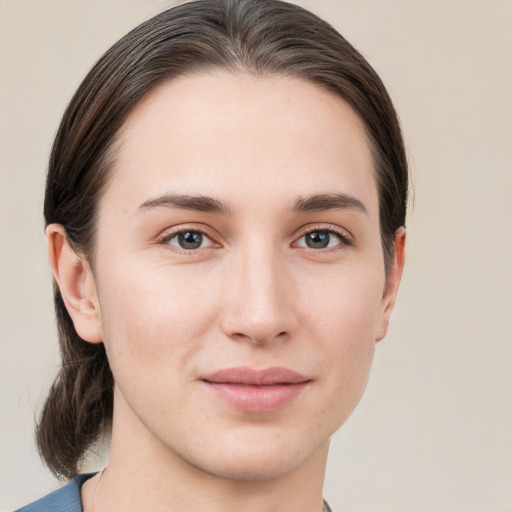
(188, 240)
(322, 239)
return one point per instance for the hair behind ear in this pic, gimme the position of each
(79, 405)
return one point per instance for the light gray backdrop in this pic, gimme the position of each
(434, 430)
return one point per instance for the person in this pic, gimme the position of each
(225, 209)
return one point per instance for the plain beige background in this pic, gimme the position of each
(434, 429)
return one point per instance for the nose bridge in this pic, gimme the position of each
(259, 308)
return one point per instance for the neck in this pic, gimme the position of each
(144, 475)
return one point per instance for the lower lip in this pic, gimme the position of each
(257, 398)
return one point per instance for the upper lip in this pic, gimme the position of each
(251, 377)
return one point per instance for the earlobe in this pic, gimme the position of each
(392, 281)
(76, 283)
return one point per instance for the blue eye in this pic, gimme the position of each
(320, 239)
(189, 240)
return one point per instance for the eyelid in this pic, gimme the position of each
(346, 237)
(170, 233)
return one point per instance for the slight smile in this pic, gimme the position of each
(256, 391)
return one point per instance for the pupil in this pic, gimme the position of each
(317, 239)
(190, 240)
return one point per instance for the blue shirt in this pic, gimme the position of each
(67, 498)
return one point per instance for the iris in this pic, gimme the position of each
(190, 239)
(317, 239)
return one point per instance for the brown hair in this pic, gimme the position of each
(265, 37)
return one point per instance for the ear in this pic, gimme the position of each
(76, 284)
(392, 281)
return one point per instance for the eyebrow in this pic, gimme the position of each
(187, 202)
(314, 203)
(321, 202)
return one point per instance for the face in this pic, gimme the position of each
(239, 275)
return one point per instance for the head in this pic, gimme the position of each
(214, 82)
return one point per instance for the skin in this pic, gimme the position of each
(254, 294)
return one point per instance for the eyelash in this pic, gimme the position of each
(345, 238)
(168, 236)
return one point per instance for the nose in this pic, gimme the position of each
(259, 304)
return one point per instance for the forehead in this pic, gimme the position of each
(219, 133)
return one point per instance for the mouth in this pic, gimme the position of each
(256, 391)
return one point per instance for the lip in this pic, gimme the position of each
(256, 391)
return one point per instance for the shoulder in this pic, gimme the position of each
(65, 499)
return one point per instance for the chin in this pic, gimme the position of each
(250, 469)
(259, 460)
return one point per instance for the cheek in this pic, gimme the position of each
(151, 322)
(345, 318)
(346, 303)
